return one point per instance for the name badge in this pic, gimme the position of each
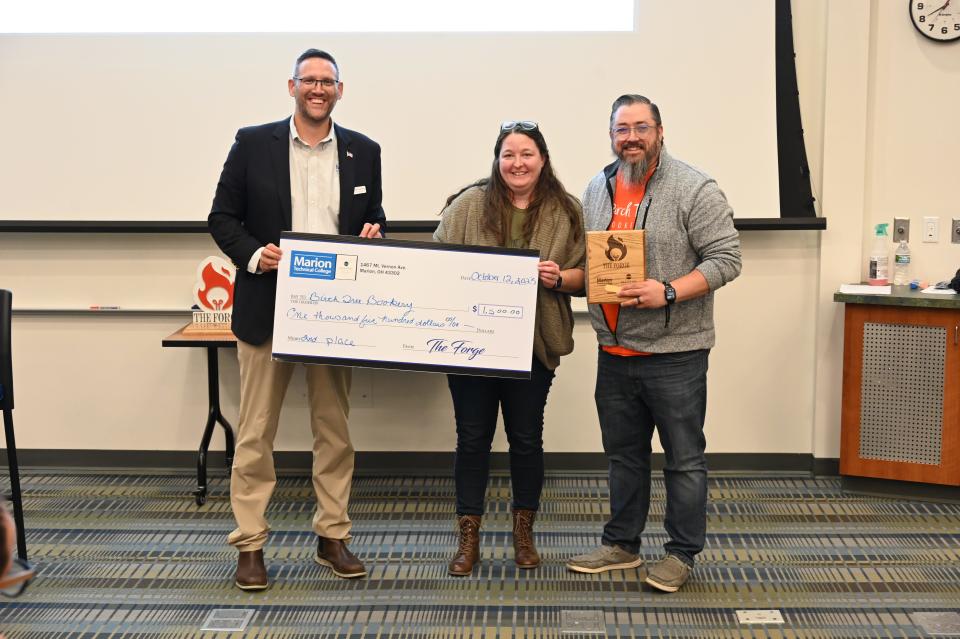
(359, 190)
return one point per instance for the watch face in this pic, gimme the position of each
(669, 293)
(938, 20)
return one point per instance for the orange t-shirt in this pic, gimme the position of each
(626, 205)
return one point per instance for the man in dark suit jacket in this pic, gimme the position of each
(307, 174)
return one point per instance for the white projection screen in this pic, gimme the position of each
(122, 126)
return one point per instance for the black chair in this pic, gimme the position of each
(6, 403)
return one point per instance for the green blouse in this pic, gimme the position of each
(518, 218)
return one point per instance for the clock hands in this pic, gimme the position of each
(945, 5)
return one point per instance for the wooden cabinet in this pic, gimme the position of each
(901, 388)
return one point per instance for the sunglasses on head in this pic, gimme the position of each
(523, 125)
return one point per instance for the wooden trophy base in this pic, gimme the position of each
(208, 328)
(212, 324)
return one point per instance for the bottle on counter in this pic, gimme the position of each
(878, 273)
(901, 264)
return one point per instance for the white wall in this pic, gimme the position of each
(912, 137)
(102, 381)
(882, 85)
(868, 92)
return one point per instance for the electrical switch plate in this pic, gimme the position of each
(955, 231)
(931, 229)
(901, 229)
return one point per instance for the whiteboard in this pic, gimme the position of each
(405, 305)
(149, 118)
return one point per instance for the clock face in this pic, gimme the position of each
(938, 20)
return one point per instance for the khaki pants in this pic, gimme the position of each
(263, 384)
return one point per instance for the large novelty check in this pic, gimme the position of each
(409, 305)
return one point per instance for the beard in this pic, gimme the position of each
(634, 172)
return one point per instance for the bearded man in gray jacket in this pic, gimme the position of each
(654, 345)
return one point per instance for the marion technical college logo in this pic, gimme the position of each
(323, 266)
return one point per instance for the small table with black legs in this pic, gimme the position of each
(212, 342)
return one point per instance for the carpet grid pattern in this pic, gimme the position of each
(130, 555)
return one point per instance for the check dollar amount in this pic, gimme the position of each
(497, 310)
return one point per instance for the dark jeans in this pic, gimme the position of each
(634, 395)
(476, 402)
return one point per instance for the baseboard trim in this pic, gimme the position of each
(826, 466)
(419, 462)
(877, 487)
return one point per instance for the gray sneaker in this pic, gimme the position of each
(668, 574)
(603, 559)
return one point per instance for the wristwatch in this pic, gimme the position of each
(559, 282)
(669, 293)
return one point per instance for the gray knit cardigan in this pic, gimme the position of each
(689, 225)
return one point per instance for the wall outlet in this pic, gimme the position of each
(931, 229)
(901, 229)
(955, 231)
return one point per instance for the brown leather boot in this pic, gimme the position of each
(468, 549)
(524, 550)
(251, 573)
(334, 554)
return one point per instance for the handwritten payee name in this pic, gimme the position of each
(369, 300)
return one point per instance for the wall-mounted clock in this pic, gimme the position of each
(938, 20)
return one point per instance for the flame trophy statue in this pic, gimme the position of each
(213, 295)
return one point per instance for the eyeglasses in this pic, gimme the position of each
(640, 129)
(20, 575)
(523, 125)
(311, 83)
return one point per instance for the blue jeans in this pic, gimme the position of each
(476, 402)
(634, 395)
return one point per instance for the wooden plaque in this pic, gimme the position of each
(614, 258)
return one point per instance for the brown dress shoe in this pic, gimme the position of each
(524, 550)
(334, 554)
(251, 573)
(468, 548)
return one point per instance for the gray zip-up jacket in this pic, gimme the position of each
(689, 225)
